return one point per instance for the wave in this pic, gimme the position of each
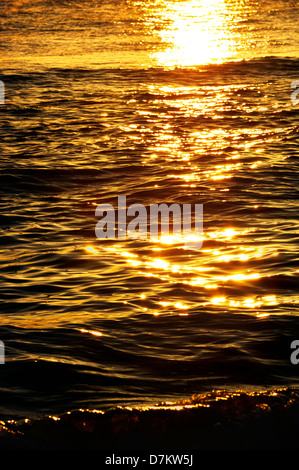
(219, 420)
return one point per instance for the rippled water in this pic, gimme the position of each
(163, 101)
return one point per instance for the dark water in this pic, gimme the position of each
(96, 107)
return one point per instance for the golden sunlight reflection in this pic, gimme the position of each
(209, 399)
(91, 332)
(197, 32)
(92, 250)
(206, 276)
(247, 302)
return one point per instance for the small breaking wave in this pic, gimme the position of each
(218, 420)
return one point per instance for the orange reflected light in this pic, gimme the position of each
(91, 332)
(198, 33)
(90, 249)
(218, 300)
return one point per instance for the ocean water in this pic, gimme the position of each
(162, 102)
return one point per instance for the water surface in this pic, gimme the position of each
(164, 102)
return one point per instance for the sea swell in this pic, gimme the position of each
(216, 421)
(97, 332)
